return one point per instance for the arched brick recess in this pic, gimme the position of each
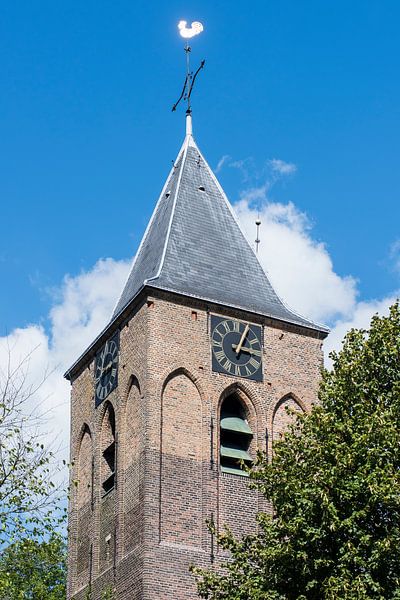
(282, 419)
(107, 501)
(131, 459)
(84, 493)
(84, 470)
(181, 371)
(132, 380)
(181, 462)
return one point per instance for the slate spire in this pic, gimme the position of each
(193, 246)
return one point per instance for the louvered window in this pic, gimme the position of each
(235, 437)
(108, 453)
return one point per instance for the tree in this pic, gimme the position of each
(334, 483)
(29, 499)
(33, 569)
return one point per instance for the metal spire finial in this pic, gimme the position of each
(258, 223)
(187, 33)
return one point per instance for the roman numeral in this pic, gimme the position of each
(255, 364)
(217, 344)
(219, 355)
(227, 365)
(225, 325)
(217, 332)
(236, 326)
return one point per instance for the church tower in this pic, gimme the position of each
(191, 375)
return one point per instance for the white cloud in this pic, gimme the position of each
(82, 307)
(281, 167)
(359, 318)
(299, 267)
(274, 168)
(245, 166)
(222, 161)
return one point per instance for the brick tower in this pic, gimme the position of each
(192, 374)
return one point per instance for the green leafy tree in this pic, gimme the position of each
(29, 499)
(31, 569)
(334, 482)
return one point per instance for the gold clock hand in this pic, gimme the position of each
(97, 379)
(240, 344)
(245, 349)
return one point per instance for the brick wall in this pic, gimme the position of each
(167, 408)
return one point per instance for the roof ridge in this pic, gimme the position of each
(233, 213)
(149, 224)
(183, 248)
(183, 151)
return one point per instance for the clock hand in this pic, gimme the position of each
(104, 370)
(97, 379)
(240, 344)
(245, 349)
(103, 358)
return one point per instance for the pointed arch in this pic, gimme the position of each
(132, 381)
(108, 449)
(242, 391)
(132, 474)
(284, 414)
(181, 460)
(237, 429)
(289, 396)
(133, 415)
(85, 467)
(84, 498)
(182, 371)
(238, 422)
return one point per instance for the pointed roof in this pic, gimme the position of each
(194, 246)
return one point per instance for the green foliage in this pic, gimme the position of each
(33, 570)
(29, 500)
(108, 593)
(334, 483)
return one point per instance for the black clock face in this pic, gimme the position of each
(106, 372)
(236, 348)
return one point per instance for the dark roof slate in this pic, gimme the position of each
(194, 246)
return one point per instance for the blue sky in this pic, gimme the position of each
(297, 110)
(87, 135)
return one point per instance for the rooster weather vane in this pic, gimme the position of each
(187, 33)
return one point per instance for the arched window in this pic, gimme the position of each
(235, 436)
(108, 450)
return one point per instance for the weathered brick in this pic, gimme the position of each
(142, 536)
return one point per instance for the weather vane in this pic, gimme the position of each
(187, 33)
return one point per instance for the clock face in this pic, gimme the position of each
(236, 348)
(106, 371)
